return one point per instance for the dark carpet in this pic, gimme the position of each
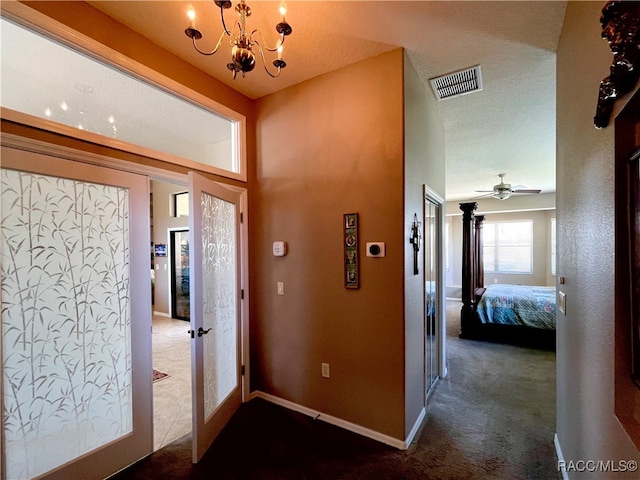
(493, 417)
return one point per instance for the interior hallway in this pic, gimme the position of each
(172, 394)
(492, 418)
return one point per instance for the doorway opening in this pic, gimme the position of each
(171, 343)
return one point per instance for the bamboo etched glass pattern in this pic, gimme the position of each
(219, 277)
(65, 319)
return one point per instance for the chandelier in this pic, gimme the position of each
(245, 44)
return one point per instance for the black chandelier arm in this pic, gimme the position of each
(264, 62)
(212, 52)
(224, 25)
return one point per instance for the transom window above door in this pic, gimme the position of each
(127, 106)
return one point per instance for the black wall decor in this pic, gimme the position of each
(621, 28)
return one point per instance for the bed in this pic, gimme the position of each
(523, 305)
(508, 313)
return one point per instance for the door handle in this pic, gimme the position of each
(202, 331)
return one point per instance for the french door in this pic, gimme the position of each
(214, 266)
(76, 316)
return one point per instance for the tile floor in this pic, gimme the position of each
(171, 395)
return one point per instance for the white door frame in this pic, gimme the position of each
(159, 174)
(441, 342)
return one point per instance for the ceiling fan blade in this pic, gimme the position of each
(483, 191)
(527, 191)
(483, 196)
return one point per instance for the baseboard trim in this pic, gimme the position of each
(162, 314)
(338, 422)
(414, 430)
(556, 442)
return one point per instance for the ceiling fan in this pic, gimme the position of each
(502, 191)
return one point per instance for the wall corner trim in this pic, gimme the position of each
(556, 442)
(416, 427)
(338, 422)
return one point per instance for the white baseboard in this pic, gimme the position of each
(414, 430)
(338, 422)
(556, 442)
(162, 314)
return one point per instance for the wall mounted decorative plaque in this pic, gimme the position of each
(351, 271)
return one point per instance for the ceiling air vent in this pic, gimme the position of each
(457, 83)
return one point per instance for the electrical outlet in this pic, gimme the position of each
(326, 372)
(280, 288)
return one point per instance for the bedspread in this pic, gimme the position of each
(519, 305)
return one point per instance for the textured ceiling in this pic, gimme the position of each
(508, 127)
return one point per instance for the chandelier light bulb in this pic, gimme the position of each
(280, 49)
(191, 13)
(283, 10)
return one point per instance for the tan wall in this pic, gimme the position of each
(586, 423)
(424, 165)
(329, 146)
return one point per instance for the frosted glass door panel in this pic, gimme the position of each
(214, 220)
(219, 278)
(67, 308)
(67, 383)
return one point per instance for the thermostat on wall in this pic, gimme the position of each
(376, 249)
(279, 249)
